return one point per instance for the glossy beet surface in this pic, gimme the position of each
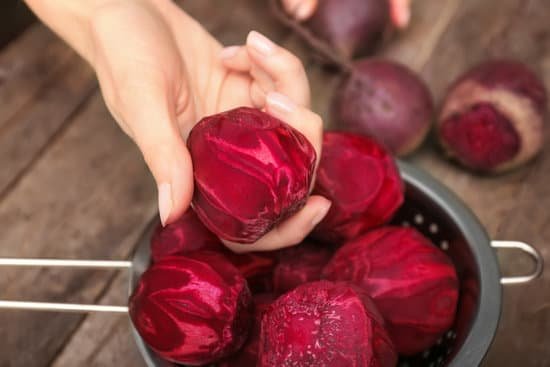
(413, 283)
(324, 324)
(387, 101)
(360, 178)
(192, 310)
(350, 27)
(492, 119)
(298, 265)
(251, 171)
(185, 235)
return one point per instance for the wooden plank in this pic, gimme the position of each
(89, 196)
(103, 339)
(26, 65)
(30, 130)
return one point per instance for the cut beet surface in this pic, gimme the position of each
(324, 324)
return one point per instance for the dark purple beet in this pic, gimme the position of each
(351, 27)
(385, 100)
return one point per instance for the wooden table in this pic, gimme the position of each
(72, 185)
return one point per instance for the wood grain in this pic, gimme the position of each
(89, 196)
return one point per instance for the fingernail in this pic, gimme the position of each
(260, 43)
(303, 11)
(321, 214)
(280, 102)
(229, 52)
(165, 202)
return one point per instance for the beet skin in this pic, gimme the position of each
(350, 27)
(361, 179)
(251, 171)
(325, 324)
(193, 309)
(413, 283)
(387, 101)
(492, 118)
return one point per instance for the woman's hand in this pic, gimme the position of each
(303, 9)
(160, 72)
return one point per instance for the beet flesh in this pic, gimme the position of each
(251, 171)
(299, 265)
(350, 27)
(361, 180)
(385, 100)
(324, 324)
(248, 355)
(185, 235)
(413, 283)
(256, 267)
(192, 309)
(492, 117)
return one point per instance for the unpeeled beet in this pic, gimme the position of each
(385, 100)
(251, 172)
(350, 27)
(324, 324)
(193, 309)
(413, 283)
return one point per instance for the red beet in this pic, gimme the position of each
(185, 235)
(248, 355)
(492, 117)
(363, 183)
(298, 265)
(385, 100)
(251, 172)
(193, 309)
(351, 27)
(256, 267)
(413, 283)
(325, 324)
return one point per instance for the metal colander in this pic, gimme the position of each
(433, 210)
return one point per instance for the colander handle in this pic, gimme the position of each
(529, 250)
(63, 307)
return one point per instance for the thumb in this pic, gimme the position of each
(151, 123)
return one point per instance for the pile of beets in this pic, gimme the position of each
(356, 292)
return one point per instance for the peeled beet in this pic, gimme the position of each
(185, 235)
(324, 324)
(387, 101)
(492, 118)
(256, 267)
(298, 265)
(192, 309)
(413, 283)
(361, 179)
(251, 171)
(350, 27)
(248, 355)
